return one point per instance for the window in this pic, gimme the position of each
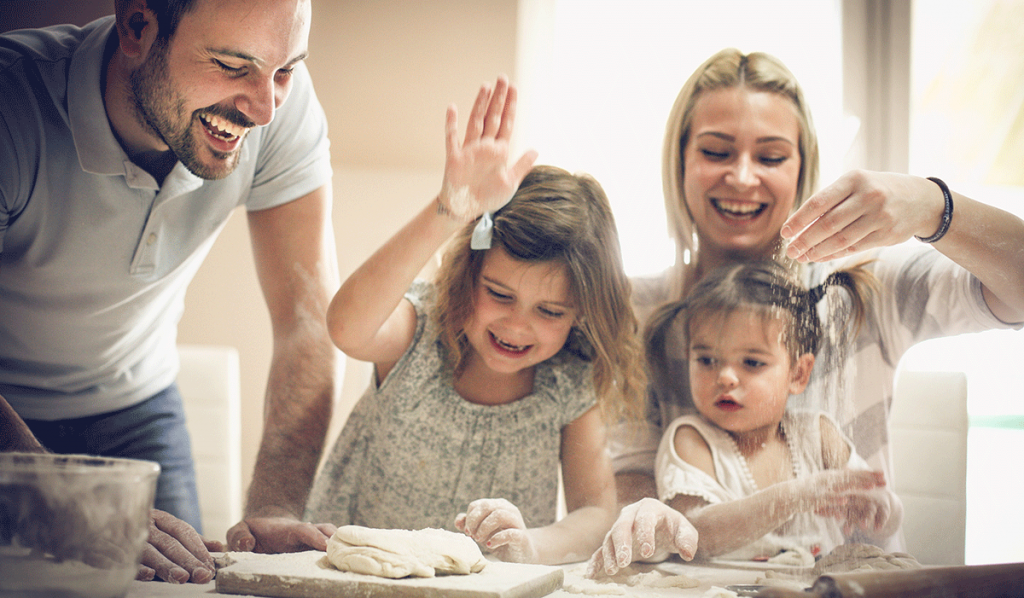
(967, 127)
(598, 78)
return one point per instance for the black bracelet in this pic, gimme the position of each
(947, 214)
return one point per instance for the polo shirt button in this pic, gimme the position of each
(151, 239)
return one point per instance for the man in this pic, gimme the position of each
(124, 146)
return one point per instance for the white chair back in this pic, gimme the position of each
(928, 428)
(209, 381)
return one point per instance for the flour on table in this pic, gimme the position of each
(795, 556)
(717, 592)
(629, 576)
(773, 580)
(589, 587)
(396, 553)
(655, 579)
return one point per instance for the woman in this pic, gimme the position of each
(740, 154)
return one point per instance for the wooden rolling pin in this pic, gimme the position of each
(972, 581)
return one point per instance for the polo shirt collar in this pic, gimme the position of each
(99, 151)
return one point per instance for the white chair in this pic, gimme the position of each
(209, 381)
(928, 429)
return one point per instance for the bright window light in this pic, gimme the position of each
(598, 78)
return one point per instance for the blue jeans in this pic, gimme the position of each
(153, 430)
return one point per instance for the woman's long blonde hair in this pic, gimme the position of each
(556, 216)
(727, 69)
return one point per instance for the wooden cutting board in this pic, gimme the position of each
(309, 575)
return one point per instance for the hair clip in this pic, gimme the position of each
(482, 233)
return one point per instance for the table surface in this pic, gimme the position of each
(709, 575)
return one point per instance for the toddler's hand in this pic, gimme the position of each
(833, 488)
(477, 177)
(868, 511)
(497, 525)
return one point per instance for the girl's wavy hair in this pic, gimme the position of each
(556, 216)
(765, 288)
(727, 69)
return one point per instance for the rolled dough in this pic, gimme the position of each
(396, 553)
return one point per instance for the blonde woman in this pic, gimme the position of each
(740, 165)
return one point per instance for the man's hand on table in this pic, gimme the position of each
(176, 553)
(647, 530)
(278, 534)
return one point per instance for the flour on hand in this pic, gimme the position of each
(396, 553)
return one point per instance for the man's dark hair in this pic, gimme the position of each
(168, 13)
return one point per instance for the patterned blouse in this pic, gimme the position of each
(414, 454)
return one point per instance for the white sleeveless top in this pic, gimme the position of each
(815, 534)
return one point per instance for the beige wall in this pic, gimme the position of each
(385, 70)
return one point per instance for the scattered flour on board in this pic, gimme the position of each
(717, 592)
(628, 577)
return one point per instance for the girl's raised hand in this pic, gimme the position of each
(477, 177)
(497, 525)
(863, 210)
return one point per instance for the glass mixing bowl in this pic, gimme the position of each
(72, 526)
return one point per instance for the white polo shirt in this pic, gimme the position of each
(95, 257)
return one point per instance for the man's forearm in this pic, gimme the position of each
(299, 402)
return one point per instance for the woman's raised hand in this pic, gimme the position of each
(863, 210)
(477, 177)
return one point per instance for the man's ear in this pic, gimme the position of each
(800, 373)
(137, 27)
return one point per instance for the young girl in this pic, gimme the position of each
(753, 477)
(499, 371)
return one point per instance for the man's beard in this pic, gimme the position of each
(160, 109)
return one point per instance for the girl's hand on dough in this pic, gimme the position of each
(647, 530)
(497, 525)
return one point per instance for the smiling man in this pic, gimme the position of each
(124, 147)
